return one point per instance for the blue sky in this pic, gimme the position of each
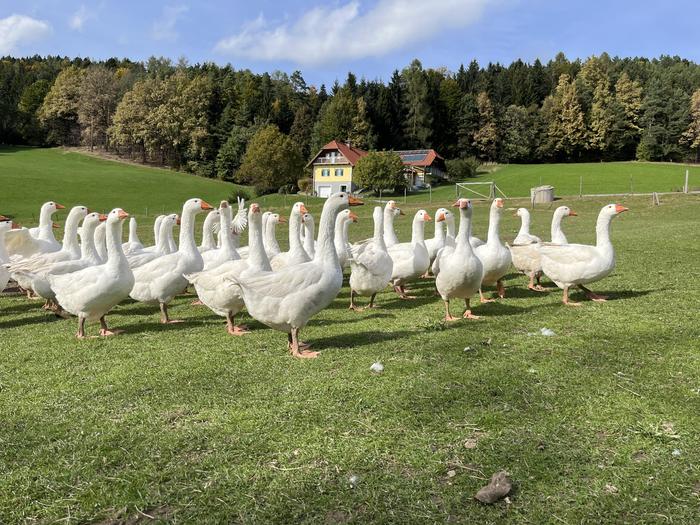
(327, 39)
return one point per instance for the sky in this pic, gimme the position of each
(327, 39)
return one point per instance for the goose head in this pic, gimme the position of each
(422, 216)
(442, 215)
(51, 207)
(462, 204)
(195, 206)
(276, 218)
(116, 215)
(92, 220)
(497, 204)
(613, 210)
(77, 213)
(521, 212)
(299, 208)
(565, 211)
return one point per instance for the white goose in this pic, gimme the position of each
(525, 251)
(141, 257)
(410, 259)
(208, 239)
(214, 287)
(160, 280)
(285, 300)
(92, 292)
(390, 211)
(296, 253)
(340, 237)
(134, 243)
(459, 270)
(579, 264)
(227, 251)
(156, 231)
(26, 242)
(371, 265)
(88, 257)
(272, 248)
(70, 250)
(494, 256)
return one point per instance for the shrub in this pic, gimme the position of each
(305, 184)
(242, 193)
(460, 169)
(380, 170)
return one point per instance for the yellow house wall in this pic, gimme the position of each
(347, 173)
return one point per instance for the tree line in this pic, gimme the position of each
(203, 118)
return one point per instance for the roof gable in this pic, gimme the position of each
(349, 152)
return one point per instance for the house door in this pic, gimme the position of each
(343, 187)
(324, 191)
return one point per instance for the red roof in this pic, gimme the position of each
(350, 153)
(420, 157)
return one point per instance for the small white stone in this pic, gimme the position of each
(547, 332)
(377, 368)
(353, 480)
(676, 452)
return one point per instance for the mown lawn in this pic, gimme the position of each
(597, 424)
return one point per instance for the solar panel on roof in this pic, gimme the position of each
(413, 157)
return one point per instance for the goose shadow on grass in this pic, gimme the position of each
(25, 321)
(23, 306)
(351, 340)
(613, 295)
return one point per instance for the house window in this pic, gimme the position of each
(343, 187)
(339, 172)
(325, 173)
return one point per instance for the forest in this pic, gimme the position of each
(217, 121)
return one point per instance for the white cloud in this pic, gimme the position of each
(164, 27)
(323, 34)
(78, 19)
(16, 30)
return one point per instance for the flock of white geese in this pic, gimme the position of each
(92, 271)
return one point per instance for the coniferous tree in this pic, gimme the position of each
(418, 119)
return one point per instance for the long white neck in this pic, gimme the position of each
(326, 232)
(389, 233)
(450, 220)
(100, 246)
(156, 229)
(187, 244)
(87, 242)
(378, 236)
(271, 237)
(164, 234)
(418, 231)
(465, 231)
(257, 258)
(70, 235)
(133, 232)
(294, 231)
(208, 240)
(439, 234)
(494, 220)
(602, 230)
(557, 234)
(227, 243)
(524, 223)
(309, 236)
(115, 254)
(338, 233)
(46, 224)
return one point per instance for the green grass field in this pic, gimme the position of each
(185, 424)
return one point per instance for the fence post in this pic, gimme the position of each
(580, 187)
(631, 188)
(404, 195)
(430, 190)
(685, 186)
(456, 191)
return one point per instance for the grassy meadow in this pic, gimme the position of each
(186, 424)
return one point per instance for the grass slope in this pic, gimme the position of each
(187, 424)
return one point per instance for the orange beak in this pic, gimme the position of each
(456, 205)
(572, 213)
(123, 214)
(427, 218)
(255, 208)
(282, 219)
(3, 218)
(303, 209)
(499, 203)
(206, 206)
(177, 221)
(60, 206)
(440, 217)
(620, 208)
(15, 226)
(353, 217)
(55, 226)
(354, 201)
(103, 217)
